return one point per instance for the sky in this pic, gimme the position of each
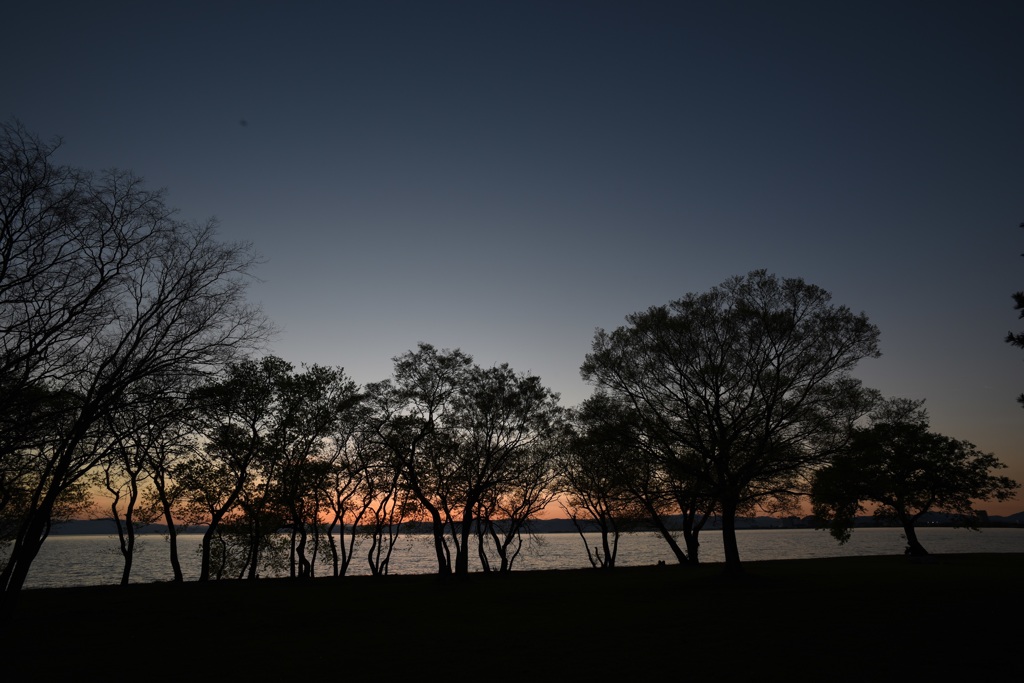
(507, 177)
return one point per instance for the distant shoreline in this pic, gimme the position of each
(557, 526)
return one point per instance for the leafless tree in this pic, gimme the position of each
(102, 288)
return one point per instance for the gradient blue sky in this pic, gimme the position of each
(504, 177)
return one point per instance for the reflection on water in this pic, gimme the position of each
(94, 560)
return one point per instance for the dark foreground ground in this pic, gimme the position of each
(956, 618)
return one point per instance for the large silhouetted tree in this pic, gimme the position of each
(102, 289)
(904, 470)
(749, 383)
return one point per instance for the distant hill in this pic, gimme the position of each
(104, 527)
(930, 519)
(1010, 520)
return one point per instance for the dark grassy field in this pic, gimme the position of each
(957, 617)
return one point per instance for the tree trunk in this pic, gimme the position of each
(172, 538)
(693, 522)
(609, 541)
(673, 545)
(37, 526)
(205, 556)
(730, 546)
(34, 532)
(127, 542)
(25, 550)
(126, 571)
(333, 546)
(444, 568)
(172, 533)
(215, 520)
(126, 532)
(690, 537)
(914, 547)
(305, 566)
(481, 547)
(462, 552)
(255, 540)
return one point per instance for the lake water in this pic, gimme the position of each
(94, 560)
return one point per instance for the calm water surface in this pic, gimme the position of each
(94, 560)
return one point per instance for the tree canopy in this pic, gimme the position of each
(747, 387)
(904, 470)
(461, 436)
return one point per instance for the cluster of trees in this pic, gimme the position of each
(261, 448)
(743, 398)
(127, 365)
(108, 305)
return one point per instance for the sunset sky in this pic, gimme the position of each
(505, 177)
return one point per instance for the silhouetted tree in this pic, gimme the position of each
(457, 433)
(387, 506)
(367, 501)
(594, 480)
(751, 381)
(905, 471)
(504, 422)
(412, 419)
(235, 417)
(101, 290)
(665, 490)
(123, 476)
(265, 428)
(168, 440)
(352, 491)
(147, 431)
(312, 406)
(503, 516)
(655, 476)
(29, 433)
